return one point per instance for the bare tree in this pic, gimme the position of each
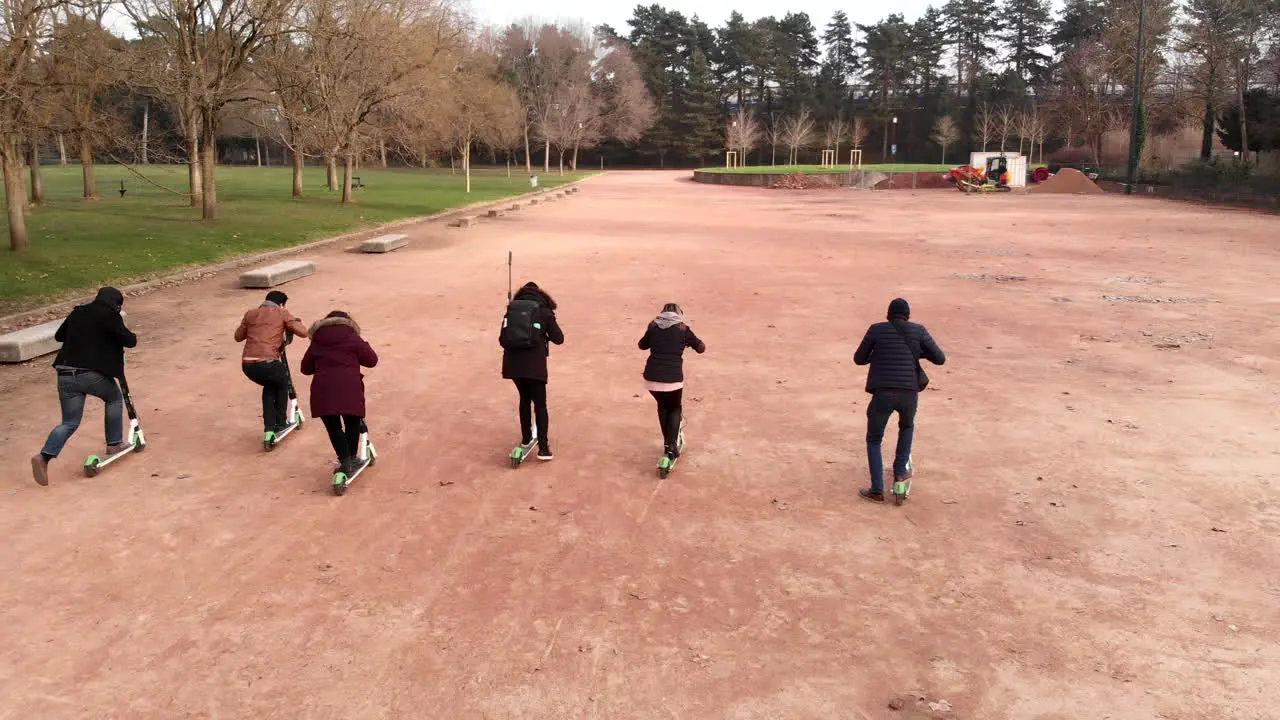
(208, 46)
(363, 55)
(774, 132)
(1006, 124)
(23, 29)
(626, 108)
(797, 131)
(480, 108)
(945, 133)
(742, 133)
(858, 132)
(834, 133)
(83, 62)
(985, 125)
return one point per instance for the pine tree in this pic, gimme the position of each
(928, 45)
(972, 25)
(734, 68)
(1026, 30)
(700, 119)
(841, 62)
(1081, 20)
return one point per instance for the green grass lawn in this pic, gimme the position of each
(886, 167)
(78, 245)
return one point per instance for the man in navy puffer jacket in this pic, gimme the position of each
(889, 348)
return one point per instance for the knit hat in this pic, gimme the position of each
(899, 308)
(277, 297)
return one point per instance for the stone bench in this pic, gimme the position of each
(514, 207)
(384, 243)
(573, 189)
(278, 274)
(495, 213)
(465, 221)
(27, 343)
(533, 201)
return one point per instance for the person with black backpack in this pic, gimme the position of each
(665, 338)
(528, 328)
(893, 349)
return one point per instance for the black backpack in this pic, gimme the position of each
(519, 330)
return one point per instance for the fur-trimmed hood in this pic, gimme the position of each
(330, 321)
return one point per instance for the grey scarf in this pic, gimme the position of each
(667, 319)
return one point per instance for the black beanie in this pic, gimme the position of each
(277, 297)
(899, 308)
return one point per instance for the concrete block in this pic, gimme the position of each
(384, 243)
(278, 274)
(515, 207)
(27, 343)
(574, 189)
(533, 201)
(495, 213)
(465, 221)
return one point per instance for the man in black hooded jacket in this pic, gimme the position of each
(93, 340)
(891, 348)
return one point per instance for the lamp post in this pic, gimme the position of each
(893, 139)
(1137, 102)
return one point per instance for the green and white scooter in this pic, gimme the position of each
(137, 441)
(271, 439)
(524, 452)
(666, 463)
(366, 456)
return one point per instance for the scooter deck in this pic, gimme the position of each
(667, 463)
(271, 439)
(522, 453)
(95, 463)
(342, 481)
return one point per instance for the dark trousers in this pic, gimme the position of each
(669, 409)
(273, 376)
(73, 387)
(882, 405)
(533, 402)
(345, 441)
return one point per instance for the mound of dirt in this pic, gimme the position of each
(1068, 181)
(798, 181)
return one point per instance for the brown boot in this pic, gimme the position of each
(868, 494)
(117, 448)
(40, 469)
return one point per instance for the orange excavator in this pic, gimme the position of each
(992, 178)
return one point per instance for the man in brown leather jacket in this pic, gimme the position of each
(265, 330)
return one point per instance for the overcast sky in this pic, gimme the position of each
(712, 12)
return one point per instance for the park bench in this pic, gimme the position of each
(27, 343)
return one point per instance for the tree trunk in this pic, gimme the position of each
(257, 149)
(195, 176)
(884, 149)
(1244, 125)
(297, 174)
(426, 153)
(62, 151)
(37, 178)
(1206, 134)
(466, 163)
(944, 154)
(209, 169)
(573, 164)
(508, 165)
(15, 196)
(382, 150)
(331, 171)
(561, 161)
(546, 157)
(86, 167)
(146, 126)
(528, 159)
(347, 163)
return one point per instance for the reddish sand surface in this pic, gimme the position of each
(1092, 532)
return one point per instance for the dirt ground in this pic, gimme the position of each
(1093, 530)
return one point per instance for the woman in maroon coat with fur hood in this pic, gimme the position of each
(336, 354)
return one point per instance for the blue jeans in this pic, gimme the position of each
(72, 389)
(882, 405)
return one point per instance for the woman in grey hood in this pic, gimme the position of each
(666, 338)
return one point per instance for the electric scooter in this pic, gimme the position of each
(667, 463)
(271, 439)
(366, 456)
(137, 441)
